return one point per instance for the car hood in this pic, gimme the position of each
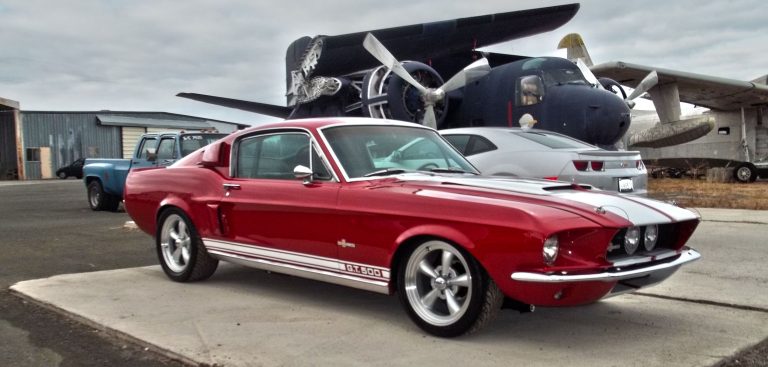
(581, 199)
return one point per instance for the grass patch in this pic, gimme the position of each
(703, 194)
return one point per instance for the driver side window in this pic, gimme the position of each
(272, 156)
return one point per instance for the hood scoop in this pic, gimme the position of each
(573, 186)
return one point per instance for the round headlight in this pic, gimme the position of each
(651, 237)
(632, 240)
(551, 247)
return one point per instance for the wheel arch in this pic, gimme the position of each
(415, 236)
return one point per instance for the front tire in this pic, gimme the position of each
(445, 291)
(180, 249)
(62, 175)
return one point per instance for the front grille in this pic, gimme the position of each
(616, 251)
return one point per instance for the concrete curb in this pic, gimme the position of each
(732, 215)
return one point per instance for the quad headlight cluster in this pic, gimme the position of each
(648, 236)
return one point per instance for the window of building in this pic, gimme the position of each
(33, 154)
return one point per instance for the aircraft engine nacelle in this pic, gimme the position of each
(387, 96)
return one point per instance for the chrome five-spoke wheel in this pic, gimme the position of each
(175, 243)
(445, 291)
(438, 283)
(180, 250)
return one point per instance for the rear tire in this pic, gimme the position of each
(99, 200)
(180, 249)
(96, 196)
(445, 291)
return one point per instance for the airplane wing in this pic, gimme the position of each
(702, 90)
(262, 108)
(344, 54)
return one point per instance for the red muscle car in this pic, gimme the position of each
(393, 208)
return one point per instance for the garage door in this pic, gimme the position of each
(131, 136)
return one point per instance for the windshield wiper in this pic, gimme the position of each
(450, 170)
(385, 172)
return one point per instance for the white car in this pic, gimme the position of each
(543, 154)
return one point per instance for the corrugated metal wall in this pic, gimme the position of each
(70, 136)
(73, 135)
(7, 144)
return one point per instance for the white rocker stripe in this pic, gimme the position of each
(299, 259)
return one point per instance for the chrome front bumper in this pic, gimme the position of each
(686, 256)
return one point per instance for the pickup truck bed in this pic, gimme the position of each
(105, 178)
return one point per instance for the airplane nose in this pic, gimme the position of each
(608, 120)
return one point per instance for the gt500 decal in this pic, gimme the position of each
(363, 270)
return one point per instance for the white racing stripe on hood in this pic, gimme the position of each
(639, 211)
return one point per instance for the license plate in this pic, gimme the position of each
(625, 185)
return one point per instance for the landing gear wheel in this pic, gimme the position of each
(745, 172)
(445, 291)
(180, 250)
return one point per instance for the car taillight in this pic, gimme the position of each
(552, 178)
(639, 165)
(597, 165)
(581, 165)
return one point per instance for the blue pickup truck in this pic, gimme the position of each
(105, 178)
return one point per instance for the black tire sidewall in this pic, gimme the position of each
(185, 275)
(100, 204)
(752, 172)
(465, 323)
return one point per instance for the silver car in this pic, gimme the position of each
(544, 154)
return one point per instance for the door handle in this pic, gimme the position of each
(231, 186)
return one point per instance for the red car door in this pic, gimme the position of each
(268, 214)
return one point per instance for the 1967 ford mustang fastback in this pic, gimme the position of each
(349, 201)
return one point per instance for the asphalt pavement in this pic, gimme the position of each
(46, 228)
(134, 316)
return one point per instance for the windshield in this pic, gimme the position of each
(379, 150)
(554, 141)
(193, 142)
(563, 76)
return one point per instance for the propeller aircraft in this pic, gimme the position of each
(361, 74)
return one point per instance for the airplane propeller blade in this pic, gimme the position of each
(430, 120)
(381, 53)
(591, 78)
(469, 74)
(646, 84)
(430, 96)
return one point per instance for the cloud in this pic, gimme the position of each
(136, 55)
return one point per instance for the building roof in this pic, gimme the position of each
(145, 115)
(115, 120)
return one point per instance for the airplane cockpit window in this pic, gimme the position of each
(531, 90)
(563, 76)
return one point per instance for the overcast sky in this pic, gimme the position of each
(137, 54)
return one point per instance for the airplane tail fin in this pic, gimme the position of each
(576, 48)
(762, 80)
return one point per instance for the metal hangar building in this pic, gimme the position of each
(34, 144)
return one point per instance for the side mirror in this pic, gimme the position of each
(151, 154)
(302, 173)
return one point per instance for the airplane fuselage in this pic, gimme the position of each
(552, 91)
